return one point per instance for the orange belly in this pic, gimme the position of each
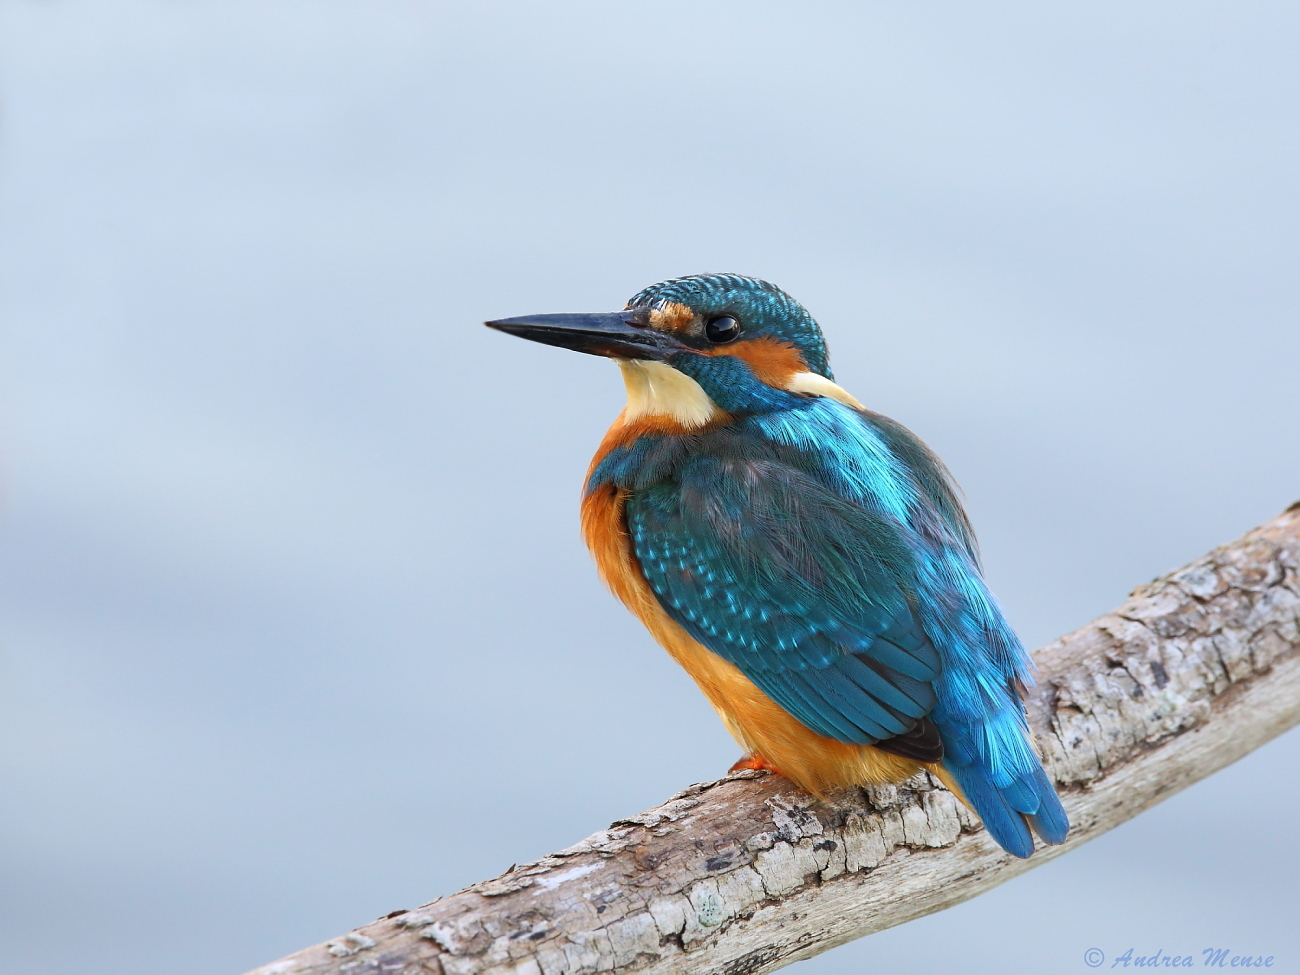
(761, 726)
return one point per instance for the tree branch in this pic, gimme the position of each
(748, 874)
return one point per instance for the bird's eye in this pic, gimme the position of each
(724, 328)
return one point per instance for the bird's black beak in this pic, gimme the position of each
(618, 335)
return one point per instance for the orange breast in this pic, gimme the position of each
(758, 723)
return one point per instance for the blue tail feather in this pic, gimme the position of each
(1050, 821)
(1005, 825)
(1021, 797)
(1009, 800)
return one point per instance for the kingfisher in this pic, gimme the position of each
(806, 560)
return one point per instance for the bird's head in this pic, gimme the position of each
(699, 347)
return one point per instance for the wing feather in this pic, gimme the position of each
(800, 588)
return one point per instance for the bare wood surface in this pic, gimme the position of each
(747, 874)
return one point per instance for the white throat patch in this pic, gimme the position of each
(657, 389)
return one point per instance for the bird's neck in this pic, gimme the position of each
(666, 403)
(702, 391)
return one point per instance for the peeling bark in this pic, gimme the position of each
(747, 874)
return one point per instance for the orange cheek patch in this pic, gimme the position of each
(671, 317)
(773, 361)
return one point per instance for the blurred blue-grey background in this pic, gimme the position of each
(297, 627)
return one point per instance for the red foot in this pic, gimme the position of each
(755, 762)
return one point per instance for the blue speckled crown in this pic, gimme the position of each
(762, 307)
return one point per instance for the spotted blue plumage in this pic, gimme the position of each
(822, 550)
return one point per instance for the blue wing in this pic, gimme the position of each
(798, 587)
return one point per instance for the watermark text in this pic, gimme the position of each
(1205, 958)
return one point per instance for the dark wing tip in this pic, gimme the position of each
(922, 743)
